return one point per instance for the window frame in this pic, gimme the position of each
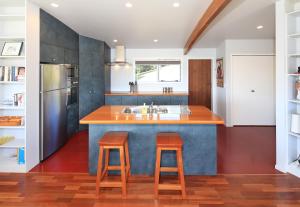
(158, 68)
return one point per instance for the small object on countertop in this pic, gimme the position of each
(135, 88)
(298, 69)
(144, 109)
(5, 139)
(131, 85)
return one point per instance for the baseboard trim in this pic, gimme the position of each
(281, 169)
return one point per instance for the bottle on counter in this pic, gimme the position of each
(135, 88)
(144, 109)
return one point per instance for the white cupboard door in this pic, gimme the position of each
(253, 90)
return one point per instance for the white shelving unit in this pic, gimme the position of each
(16, 143)
(292, 64)
(13, 29)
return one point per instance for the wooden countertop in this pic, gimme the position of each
(113, 115)
(151, 93)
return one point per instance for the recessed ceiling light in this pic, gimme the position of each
(128, 5)
(155, 40)
(115, 40)
(260, 27)
(176, 4)
(54, 5)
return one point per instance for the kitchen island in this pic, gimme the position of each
(197, 129)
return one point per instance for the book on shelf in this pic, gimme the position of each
(12, 73)
(21, 155)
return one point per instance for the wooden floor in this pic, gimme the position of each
(44, 189)
(241, 150)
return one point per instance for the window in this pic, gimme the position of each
(158, 71)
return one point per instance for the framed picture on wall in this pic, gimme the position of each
(220, 73)
(12, 48)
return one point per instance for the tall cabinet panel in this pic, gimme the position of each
(59, 44)
(93, 56)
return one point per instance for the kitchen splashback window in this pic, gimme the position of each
(158, 71)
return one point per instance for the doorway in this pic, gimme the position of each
(253, 90)
(200, 82)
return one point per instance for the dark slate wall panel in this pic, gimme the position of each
(199, 150)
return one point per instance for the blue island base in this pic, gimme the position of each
(199, 149)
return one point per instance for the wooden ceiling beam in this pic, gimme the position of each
(211, 13)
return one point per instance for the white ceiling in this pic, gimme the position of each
(147, 20)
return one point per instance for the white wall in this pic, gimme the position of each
(32, 84)
(221, 92)
(281, 90)
(120, 76)
(237, 47)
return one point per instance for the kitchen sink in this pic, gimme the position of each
(166, 109)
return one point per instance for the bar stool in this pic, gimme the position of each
(113, 140)
(169, 142)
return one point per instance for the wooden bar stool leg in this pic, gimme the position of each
(157, 172)
(127, 157)
(106, 162)
(99, 171)
(123, 171)
(181, 172)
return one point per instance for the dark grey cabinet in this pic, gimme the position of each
(129, 100)
(140, 100)
(113, 100)
(59, 44)
(93, 58)
(161, 100)
(179, 100)
(145, 99)
(51, 54)
(71, 56)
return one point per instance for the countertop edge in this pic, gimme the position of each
(146, 94)
(152, 122)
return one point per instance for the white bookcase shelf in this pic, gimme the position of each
(12, 127)
(296, 101)
(294, 168)
(11, 17)
(11, 57)
(295, 35)
(16, 143)
(295, 13)
(13, 26)
(12, 82)
(292, 62)
(294, 55)
(4, 107)
(12, 37)
(10, 164)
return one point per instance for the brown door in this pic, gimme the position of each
(200, 82)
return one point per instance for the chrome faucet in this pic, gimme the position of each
(151, 108)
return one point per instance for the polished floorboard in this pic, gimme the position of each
(246, 178)
(241, 150)
(78, 190)
(72, 157)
